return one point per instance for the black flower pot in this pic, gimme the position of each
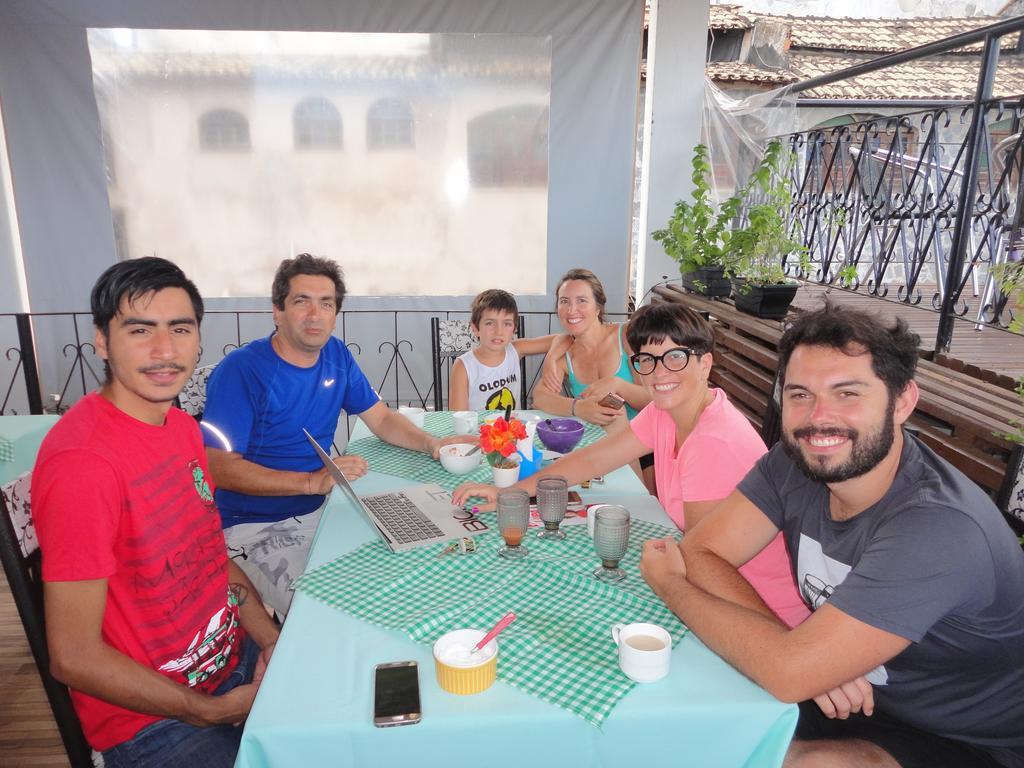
(770, 302)
(707, 281)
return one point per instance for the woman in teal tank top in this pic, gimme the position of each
(624, 372)
(593, 357)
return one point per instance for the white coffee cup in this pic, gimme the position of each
(591, 517)
(465, 422)
(645, 651)
(413, 414)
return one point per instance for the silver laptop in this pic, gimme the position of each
(410, 517)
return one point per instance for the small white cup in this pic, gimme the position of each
(591, 517)
(413, 414)
(465, 422)
(645, 651)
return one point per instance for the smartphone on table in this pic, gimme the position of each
(396, 694)
(611, 400)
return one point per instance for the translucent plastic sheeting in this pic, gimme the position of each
(419, 161)
(736, 131)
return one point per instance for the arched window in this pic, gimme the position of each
(389, 124)
(317, 125)
(223, 129)
(509, 147)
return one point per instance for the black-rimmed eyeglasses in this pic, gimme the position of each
(674, 360)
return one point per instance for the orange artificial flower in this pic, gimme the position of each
(499, 439)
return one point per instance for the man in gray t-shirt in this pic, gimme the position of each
(916, 580)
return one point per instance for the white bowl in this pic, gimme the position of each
(526, 417)
(453, 458)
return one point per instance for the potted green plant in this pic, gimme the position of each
(1011, 280)
(1010, 276)
(698, 238)
(760, 284)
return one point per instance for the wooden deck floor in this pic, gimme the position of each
(991, 354)
(28, 735)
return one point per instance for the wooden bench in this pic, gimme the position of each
(962, 418)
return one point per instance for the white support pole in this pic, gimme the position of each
(676, 51)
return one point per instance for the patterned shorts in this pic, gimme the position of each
(273, 555)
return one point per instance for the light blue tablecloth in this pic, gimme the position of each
(315, 705)
(26, 433)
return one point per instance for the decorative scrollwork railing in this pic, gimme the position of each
(397, 356)
(920, 207)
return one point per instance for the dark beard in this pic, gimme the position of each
(866, 454)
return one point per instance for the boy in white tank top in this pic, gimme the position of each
(487, 377)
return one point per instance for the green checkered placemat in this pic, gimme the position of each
(6, 449)
(560, 647)
(419, 467)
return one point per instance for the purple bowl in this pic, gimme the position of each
(559, 435)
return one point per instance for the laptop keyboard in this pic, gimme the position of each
(403, 519)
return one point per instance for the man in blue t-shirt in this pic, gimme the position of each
(914, 655)
(270, 483)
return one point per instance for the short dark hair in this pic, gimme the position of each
(134, 278)
(653, 323)
(893, 348)
(494, 299)
(590, 279)
(305, 264)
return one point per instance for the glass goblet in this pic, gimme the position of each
(611, 538)
(552, 500)
(513, 518)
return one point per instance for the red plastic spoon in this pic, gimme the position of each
(503, 622)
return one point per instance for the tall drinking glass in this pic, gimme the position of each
(611, 538)
(552, 500)
(513, 517)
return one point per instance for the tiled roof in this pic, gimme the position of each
(819, 45)
(234, 65)
(739, 72)
(945, 77)
(729, 17)
(880, 35)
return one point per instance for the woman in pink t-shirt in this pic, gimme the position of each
(703, 446)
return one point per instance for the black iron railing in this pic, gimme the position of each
(49, 360)
(920, 207)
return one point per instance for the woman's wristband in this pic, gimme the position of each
(572, 408)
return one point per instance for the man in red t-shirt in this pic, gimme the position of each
(160, 637)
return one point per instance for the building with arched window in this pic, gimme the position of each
(389, 124)
(334, 154)
(316, 124)
(223, 129)
(507, 147)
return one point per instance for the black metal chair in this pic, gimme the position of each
(192, 398)
(1010, 498)
(22, 561)
(451, 338)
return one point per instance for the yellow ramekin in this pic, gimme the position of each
(465, 679)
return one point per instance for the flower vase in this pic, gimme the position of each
(505, 476)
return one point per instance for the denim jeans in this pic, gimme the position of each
(173, 744)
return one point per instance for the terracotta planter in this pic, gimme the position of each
(707, 281)
(770, 302)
